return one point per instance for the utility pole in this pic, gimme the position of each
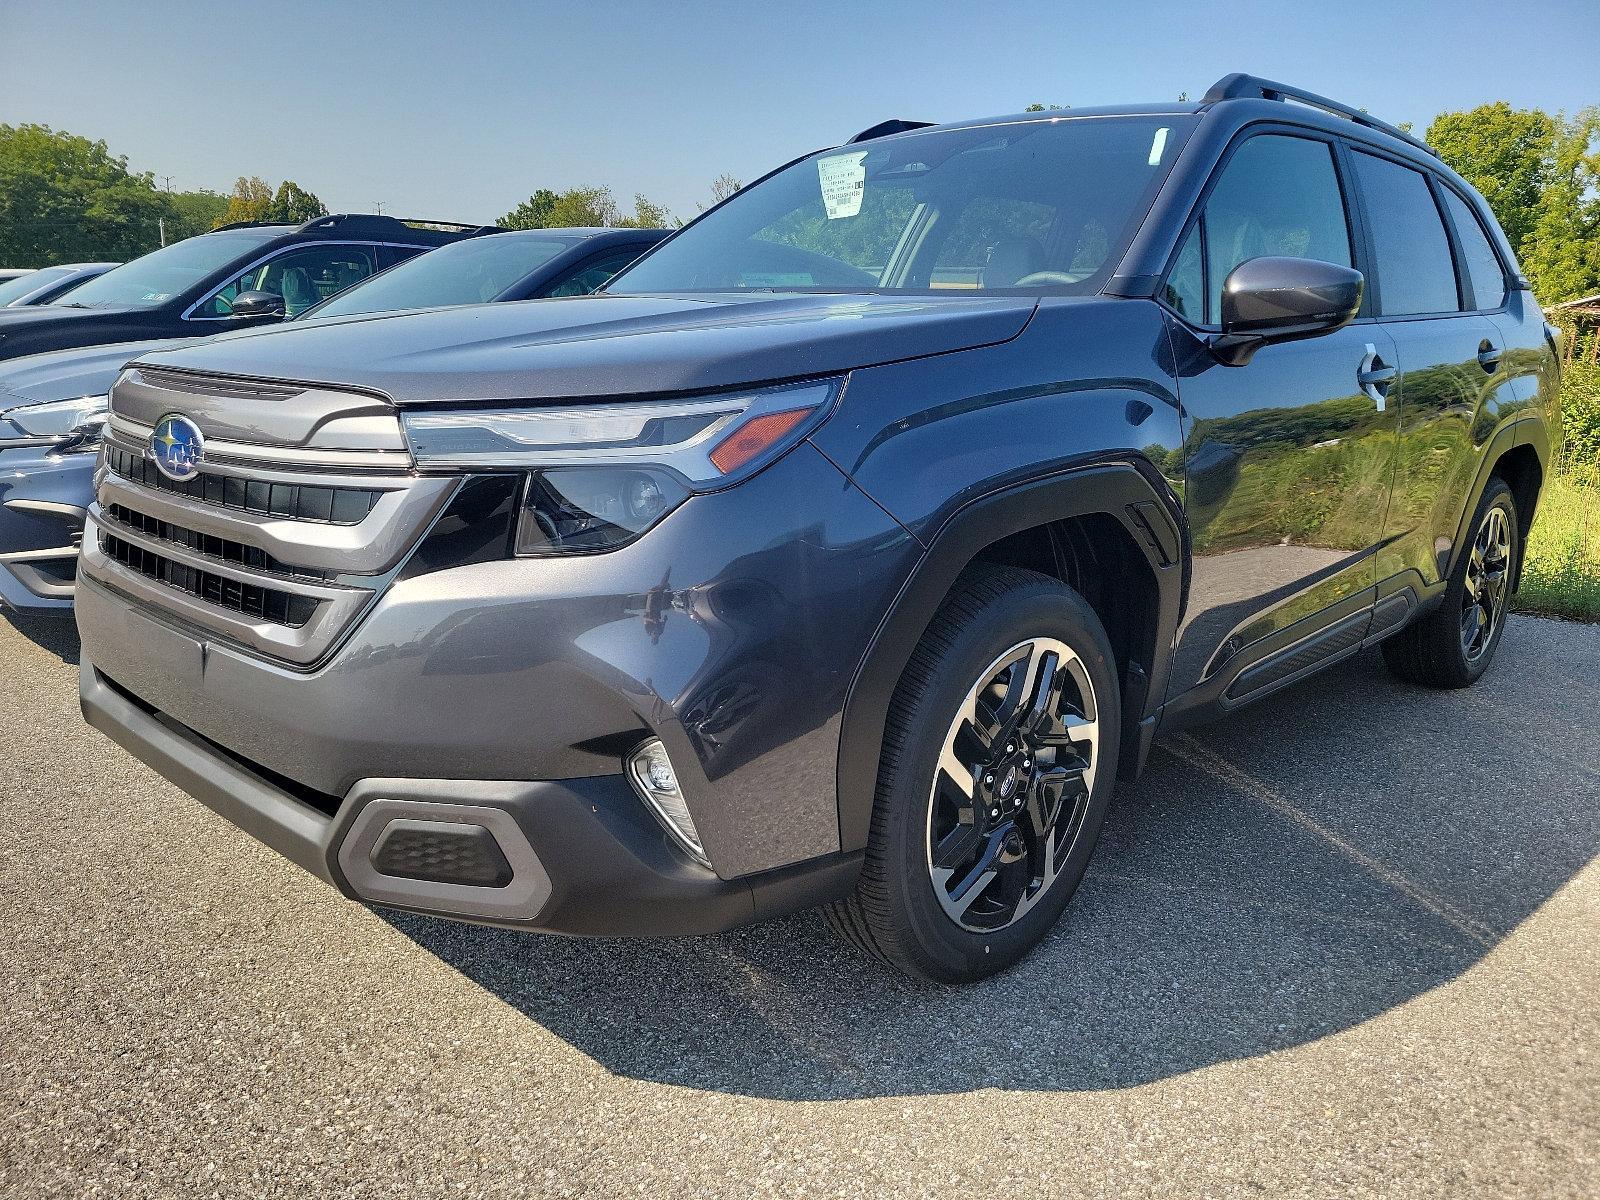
(379, 207)
(168, 178)
(161, 224)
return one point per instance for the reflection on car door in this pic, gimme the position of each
(1288, 459)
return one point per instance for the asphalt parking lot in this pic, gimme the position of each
(1345, 943)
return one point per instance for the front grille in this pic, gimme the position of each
(281, 608)
(297, 501)
(222, 549)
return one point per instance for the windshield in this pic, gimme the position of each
(23, 284)
(1037, 205)
(159, 276)
(475, 271)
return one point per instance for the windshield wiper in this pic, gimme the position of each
(68, 304)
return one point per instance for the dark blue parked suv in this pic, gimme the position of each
(852, 546)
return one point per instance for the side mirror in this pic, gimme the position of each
(1266, 300)
(257, 304)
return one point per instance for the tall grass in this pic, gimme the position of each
(1561, 568)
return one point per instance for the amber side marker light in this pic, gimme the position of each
(753, 438)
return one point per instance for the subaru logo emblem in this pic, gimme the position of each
(176, 445)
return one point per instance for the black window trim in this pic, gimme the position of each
(1353, 215)
(1507, 278)
(213, 292)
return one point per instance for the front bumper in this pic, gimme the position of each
(43, 497)
(731, 631)
(587, 857)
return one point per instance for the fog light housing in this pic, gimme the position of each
(653, 777)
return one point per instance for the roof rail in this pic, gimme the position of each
(1240, 86)
(885, 128)
(244, 225)
(383, 220)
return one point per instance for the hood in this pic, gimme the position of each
(68, 374)
(607, 346)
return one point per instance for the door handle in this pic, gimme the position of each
(1488, 355)
(1375, 376)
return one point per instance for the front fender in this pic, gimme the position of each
(1130, 490)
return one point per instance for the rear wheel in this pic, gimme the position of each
(999, 757)
(1454, 644)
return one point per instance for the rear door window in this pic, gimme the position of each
(1413, 268)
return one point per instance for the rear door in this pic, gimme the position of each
(1450, 367)
(1288, 460)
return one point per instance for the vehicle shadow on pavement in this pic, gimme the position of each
(56, 632)
(1295, 870)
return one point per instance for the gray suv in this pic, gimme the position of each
(851, 546)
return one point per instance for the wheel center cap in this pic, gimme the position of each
(1010, 781)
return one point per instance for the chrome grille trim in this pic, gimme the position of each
(137, 433)
(241, 521)
(298, 646)
(127, 521)
(373, 546)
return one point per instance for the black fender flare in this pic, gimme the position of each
(1130, 490)
(1520, 431)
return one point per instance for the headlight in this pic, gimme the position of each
(602, 474)
(69, 425)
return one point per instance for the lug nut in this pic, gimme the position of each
(994, 812)
(1010, 746)
(989, 779)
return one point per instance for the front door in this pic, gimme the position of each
(1289, 458)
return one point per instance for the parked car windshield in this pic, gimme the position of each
(1042, 204)
(162, 274)
(23, 284)
(474, 271)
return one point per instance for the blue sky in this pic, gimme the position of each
(458, 111)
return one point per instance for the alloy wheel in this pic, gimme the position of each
(1012, 785)
(1483, 599)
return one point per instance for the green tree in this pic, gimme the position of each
(647, 214)
(1505, 153)
(583, 206)
(1540, 175)
(532, 213)
(251, 200)
(294, 205)
(1561, 254)
(190, 213)
(579, 206)
(65, 198)
(254, 200)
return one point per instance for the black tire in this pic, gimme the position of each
(895, 915)
(1434, 651)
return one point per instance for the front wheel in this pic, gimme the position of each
(1000, 753)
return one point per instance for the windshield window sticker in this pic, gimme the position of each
(1158, 147)
(843, 178)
